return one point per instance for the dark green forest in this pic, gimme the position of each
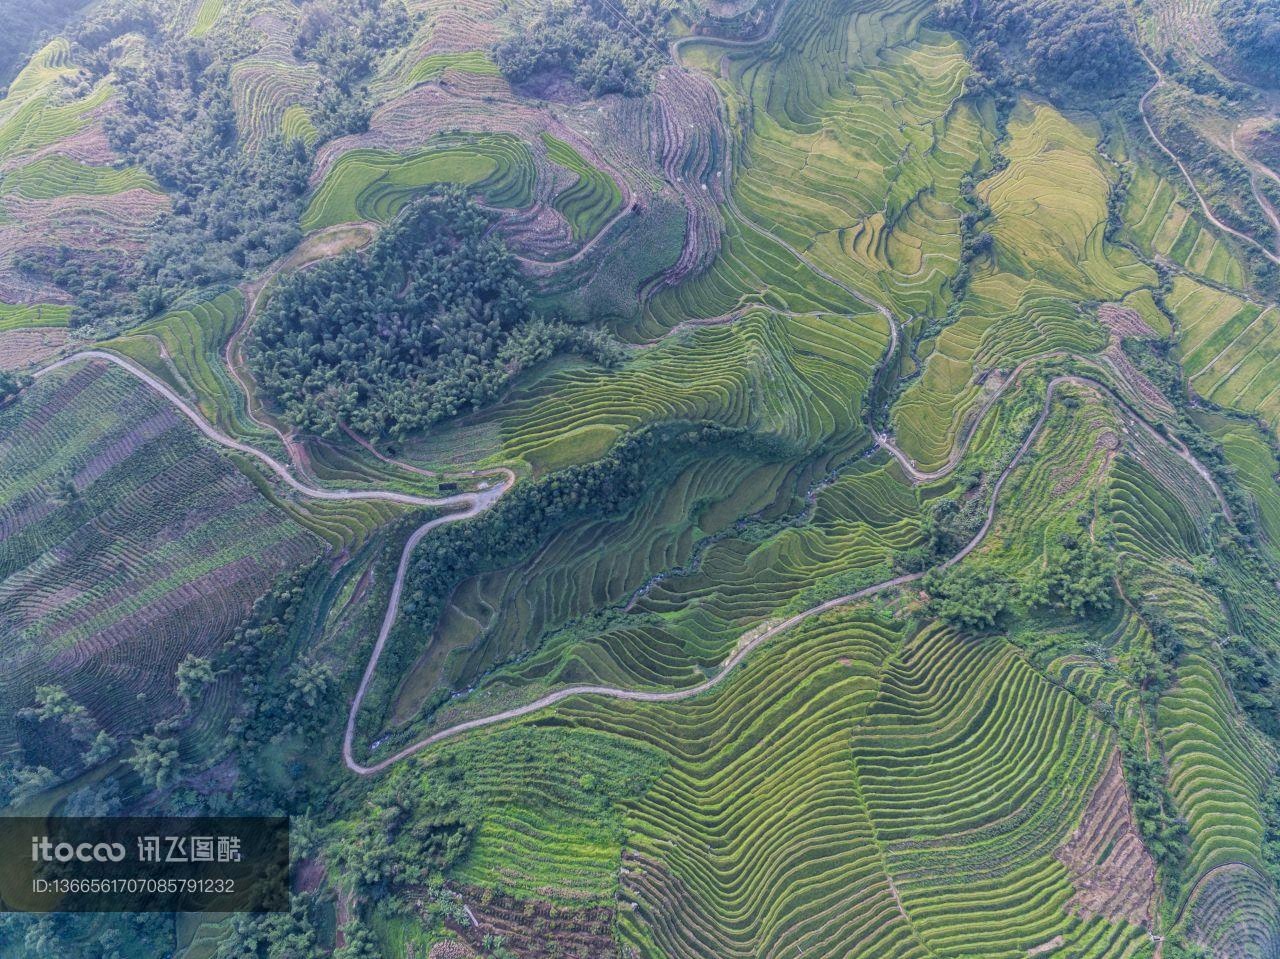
(1252, 30)
(433, 319)
(1067, 45)
(590, 44)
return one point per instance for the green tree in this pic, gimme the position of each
(1077, 575)
(155, 760)
(971, 595)
(30, 781)
(193, 674)
(359, 942)
(11, 384)
(54, 704)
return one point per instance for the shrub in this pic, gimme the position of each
(971, 595)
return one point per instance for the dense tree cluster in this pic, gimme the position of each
(344, 41)
(234, 210)
(60, 738)
(1163, 833)
(410, 827)
(1252, 31)
(70, 935)
(155, 760)
(1255, 680)
(1080, 45)
(602, 51)
(103, 283)
(971, 595)
(95, 36)
(975, 242)
(431, 320)
(286, 935)
(1077, 576)
(11, 383)
(1271, 833)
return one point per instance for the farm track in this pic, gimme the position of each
(210, 431)
(1186, 174)
(1257, 169)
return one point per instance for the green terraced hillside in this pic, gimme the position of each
(663, 480)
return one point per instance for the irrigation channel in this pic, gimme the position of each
(473, 503)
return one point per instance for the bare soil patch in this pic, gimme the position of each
(1123, 321)
(533, 929)
(1113, 874)
(21, 348)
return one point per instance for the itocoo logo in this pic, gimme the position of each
(42, 850)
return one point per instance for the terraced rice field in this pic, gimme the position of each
(816, 746)
(376, 184)
(184, 348)
(295, 124)
(61, 186)
(874, 780)
(435, 65)
(265, 91)
(206, 15)
(33, 116)
(59, 175)
(1228, 346)
(127, 544)
(1187, 23)
(591, 200)
(1049, 211)
(14, 317)
(1163, 226)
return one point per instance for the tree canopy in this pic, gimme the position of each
(603, 53)
(431, 320)
(1080, 45)
(1252, 31)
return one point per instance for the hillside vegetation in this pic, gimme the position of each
(653, 480)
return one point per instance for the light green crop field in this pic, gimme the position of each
(207, 13)
(1048, 215)
(1163, 225)
(1229, 347)
(33, 115)
(591, 199)
(434, 66)
(367, 184)
(14, 317)
(265, 91)
(57, 175)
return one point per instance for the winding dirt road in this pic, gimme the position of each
(474, 503)
(1186, 174)
(471, 504)
(282, 471)
(751, 640)
(1257, 169)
